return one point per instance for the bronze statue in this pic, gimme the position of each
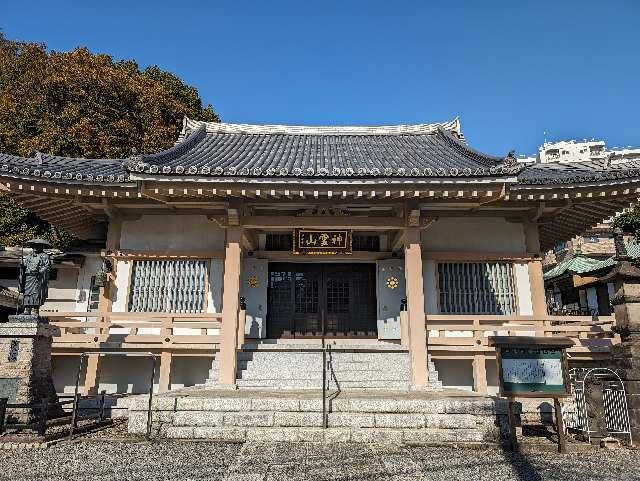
(34, 277)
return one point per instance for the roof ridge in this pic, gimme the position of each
(400, 129)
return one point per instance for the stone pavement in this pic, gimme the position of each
(178, 461)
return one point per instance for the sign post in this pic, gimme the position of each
(533, 367)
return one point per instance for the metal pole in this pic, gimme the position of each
(74, 412)
(324, 372)
(102, 395)
(153, 375)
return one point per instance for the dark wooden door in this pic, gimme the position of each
(300, 295)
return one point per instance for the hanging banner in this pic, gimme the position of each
(321, 242)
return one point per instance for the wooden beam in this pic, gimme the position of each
(325, 222)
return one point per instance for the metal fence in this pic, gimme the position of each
(616, 414)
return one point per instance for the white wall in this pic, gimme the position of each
(172, 233)
(126, 375)
(62, 291)
(64, 372)
(429, 276)
(474, 234)
(123, 269)
(91, 265)
(455, 373)
(189, 371)
(130, 375)
(523, 288)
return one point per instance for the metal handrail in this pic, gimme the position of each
(324, 372)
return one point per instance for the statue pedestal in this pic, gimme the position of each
(25, 365)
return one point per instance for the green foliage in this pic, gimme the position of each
(81, 104)
(629, 222)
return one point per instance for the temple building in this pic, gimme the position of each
(244, 248)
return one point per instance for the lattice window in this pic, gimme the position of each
(168, 286)
(307, 293)
(476, 288)
(93, 303)
(361, 242)
(279, 242)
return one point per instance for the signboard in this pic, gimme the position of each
(9, 388)
(532, 370)
(321, 242)
(532, 367)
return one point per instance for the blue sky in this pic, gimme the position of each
(510, 70)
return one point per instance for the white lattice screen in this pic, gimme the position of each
(168, 286)
(476, 288)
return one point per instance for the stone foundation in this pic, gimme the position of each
(238, 416)
(25, 365)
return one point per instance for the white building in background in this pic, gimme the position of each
(568, 151)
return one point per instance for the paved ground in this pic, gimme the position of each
(182, 461)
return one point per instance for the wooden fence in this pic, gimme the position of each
(136, 330)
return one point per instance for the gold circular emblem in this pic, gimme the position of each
(253, 281)
(392, 282)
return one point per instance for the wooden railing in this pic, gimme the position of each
(470, 333)
(143, 330)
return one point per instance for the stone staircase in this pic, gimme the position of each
(353, 416)
(286, 364)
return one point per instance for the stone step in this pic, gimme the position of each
(365, 375)
(335, 435)
(317, 384)
(314, 419)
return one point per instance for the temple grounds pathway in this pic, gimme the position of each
(178, 461)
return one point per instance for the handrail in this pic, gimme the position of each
(142, 330)
(471, 332)
(325, 422)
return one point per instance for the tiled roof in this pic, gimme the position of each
(230, 150)
(219, 150)
(563, 173)
(582, 265)
(65, 169)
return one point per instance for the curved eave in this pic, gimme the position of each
(586, 204)
(325, 180)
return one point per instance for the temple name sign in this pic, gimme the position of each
(322, 242)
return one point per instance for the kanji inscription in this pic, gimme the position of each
(319, 242)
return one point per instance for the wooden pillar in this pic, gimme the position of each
(536, 280)
(404, 329)
(480, 373)
(415, 307)
(164, 384)
(230, 307)
(91, 375)
(105, 303)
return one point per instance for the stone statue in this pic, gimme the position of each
(34, 277)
